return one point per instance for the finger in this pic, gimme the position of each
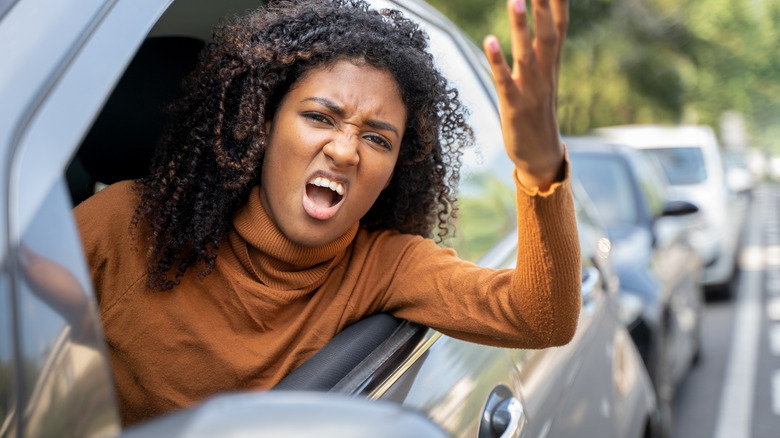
(560, 12)
(546, 40)
(522, 51)
(502, 76)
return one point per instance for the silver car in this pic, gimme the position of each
(80, 89)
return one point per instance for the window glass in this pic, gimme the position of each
(650, 179)
(65, 378)
(487, 192)
(683, 165)
(608, 184)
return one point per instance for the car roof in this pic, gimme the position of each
(591, 145)
(195, 19)
(632, 157)
(658, 136)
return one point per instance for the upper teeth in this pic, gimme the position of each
(333, 185)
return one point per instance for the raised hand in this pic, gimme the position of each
(528, 91)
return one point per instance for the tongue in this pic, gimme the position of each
(322, 196)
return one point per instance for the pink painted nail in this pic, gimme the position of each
(493, 44)
(520, 6)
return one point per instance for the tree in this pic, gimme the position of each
(658, 61)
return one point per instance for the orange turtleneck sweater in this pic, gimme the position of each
(269, 304)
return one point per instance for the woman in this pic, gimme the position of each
(314, 156)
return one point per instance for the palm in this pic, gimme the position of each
(528, 90)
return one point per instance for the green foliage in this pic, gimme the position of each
(658, 61)
(487, 213)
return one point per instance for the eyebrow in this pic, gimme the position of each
(333, 107)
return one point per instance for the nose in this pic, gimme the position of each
(343, 149)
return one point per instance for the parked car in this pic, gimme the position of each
(691, 159)
(661, 299)
(80, 91)
(739, 178)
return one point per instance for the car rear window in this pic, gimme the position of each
(682, 165)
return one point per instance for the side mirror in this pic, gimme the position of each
(679, 208)
(289, 414)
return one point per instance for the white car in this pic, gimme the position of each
(692, 161)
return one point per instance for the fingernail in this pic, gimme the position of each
(520, 6)
(493, 44)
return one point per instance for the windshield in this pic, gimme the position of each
(608, 183)
(683, 165)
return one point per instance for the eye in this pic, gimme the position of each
(380, 141)
(317, 117)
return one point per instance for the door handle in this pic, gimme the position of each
(590, 277)
(503, 415)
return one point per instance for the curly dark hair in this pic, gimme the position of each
(212, 152)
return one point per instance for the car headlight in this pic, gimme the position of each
(630, 307)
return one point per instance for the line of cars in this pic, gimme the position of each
(76, 105)
(674, 223)
(693, 165)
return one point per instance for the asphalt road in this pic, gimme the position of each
(734, 390)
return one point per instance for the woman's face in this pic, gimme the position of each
(332, 147)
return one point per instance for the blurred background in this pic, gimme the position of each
(708, 62)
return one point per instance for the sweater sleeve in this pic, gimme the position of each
(114, 261)
(534, 305)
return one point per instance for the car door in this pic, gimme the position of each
(676, 265)
(568, 389)
(594, 386)
(60, 61)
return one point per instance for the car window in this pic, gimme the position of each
(61, 380)
(64, 365)
(651, 183)
(608, 183)
(683, 165)
(487, 192)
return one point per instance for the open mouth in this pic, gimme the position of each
(324, 192)
(323, 197)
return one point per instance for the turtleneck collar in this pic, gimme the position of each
(276, 260)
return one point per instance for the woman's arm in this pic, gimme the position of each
(534, 305)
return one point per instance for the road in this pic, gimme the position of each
(734, 391)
